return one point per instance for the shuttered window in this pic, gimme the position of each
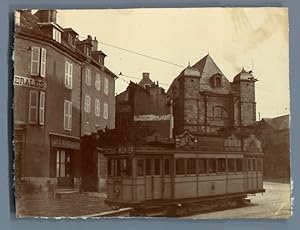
(42, 108)
(68, 74)
(88, 77)
(43, 62)
(105, 110)
(106, 86)
(35, 60)
(68, 115)
(98, 82)
(87, 103)
(97, 107)
(33, 107)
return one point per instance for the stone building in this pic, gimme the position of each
(274, 134)
(48, 113)
(204, 100)
(146, 105)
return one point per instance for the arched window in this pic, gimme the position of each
(216, 81)
(219, 113)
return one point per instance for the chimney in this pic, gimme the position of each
(146, 76)
(95, 44)
(46, 15)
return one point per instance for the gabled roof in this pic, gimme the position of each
(278, 123)
(207, 65)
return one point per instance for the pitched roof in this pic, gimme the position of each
(207, 65)
(278, 123)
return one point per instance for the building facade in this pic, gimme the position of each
(47, 105)
(204, 101)
(274, 134)
(145, 105)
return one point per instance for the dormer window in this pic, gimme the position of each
(56, 35)
(87, 50)
(147, 86)
(216, 81)
(71, 39)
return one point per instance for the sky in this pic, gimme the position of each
(253, 38)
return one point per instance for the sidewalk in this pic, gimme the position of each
(71, 206)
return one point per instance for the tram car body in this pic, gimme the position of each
(172, 179)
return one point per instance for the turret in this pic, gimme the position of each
(244, 84)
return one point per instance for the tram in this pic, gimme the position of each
(172, 181)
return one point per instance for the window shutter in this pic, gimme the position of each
(42, 108)
(66, 73)
(70, 116)
(35, 61)
(71, 75)
(43, 62)
(33, 107)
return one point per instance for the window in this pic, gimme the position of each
(106, 86)
(126, 167)
(212, 165)
(231, 163)
(216, 81)
(105, 110)
(56, 35)
(68, 74)
(97, 107)
(68, 115)
(221, 165)
(88, 77)
(253, 164)
(239, 165)
(157, 167)
(140, 167)
(219, 113)
(38, 61)
(60, 163)
(87, 51)
(42, 108)
(191, 166)
(167, 167)
(259, 165)
(148, 167)
(147, 86)
(87, 104)
(98, 82)
(249, 165)
(71, 39)
(33, 107)
(202, 165)
(180, 167)
(109, 167)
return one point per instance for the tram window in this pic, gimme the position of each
(249, 165)
(148, 167)
(202, 165)
(140, 167)
(109, 172)
(191, 166)
(157, 167)
(259, 165)
(253, 165)
(126, 167)
(221, 165)
(180, 167)
(239, 165)
(231, 165)
(212, 165)
(167, 166)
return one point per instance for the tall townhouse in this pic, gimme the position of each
(54, 75)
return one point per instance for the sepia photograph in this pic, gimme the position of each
(152, 112)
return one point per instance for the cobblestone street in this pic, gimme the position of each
(71, 206)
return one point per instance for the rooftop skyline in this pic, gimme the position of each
(253, 38)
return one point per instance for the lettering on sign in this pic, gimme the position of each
(29, 82)
(62, 143)
(152, 117)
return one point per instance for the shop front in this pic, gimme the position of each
(65, 160)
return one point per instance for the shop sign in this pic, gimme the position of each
(29, 82)
(63, 143)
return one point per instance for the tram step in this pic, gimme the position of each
(61, 193)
